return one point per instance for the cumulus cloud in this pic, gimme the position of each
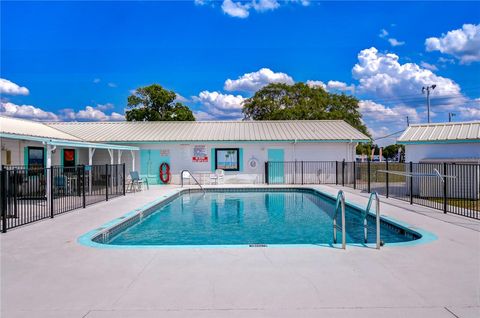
(251, 82)
(236, 9)
(242, 9)
(463, 44)
(395, 42)
(26, 111)
(378, 112)
(90, 113)
(220, 106)
(383, 33)
(340, 86)
(428, 66)
(180, 99)
(10, 88)
(313, 83)
(384, 77)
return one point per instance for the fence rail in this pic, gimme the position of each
(25, 197)
(448, 187)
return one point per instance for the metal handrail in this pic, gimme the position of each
(340, 203)
(196, 181)
(373, 195)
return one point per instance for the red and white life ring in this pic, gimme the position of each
(165, 172)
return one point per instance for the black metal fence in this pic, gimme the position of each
(449, 187)
(25, 195)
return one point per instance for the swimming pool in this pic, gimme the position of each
(249, 217)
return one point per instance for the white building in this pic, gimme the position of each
(239, 147)
(448, 142)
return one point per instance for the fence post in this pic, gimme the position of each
(84, 201)
(354, 175)
(52, 190)
(106, 182)
(266, 172)
(411, 182)
(123, 178)
(3, 198)
(343, 172)
(302, 171)
(386, 178)
(368, 176)
(445, 188)
(15, 191)
(336, 172)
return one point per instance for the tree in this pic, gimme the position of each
(154, 103)
(278, 101)
(391, 151)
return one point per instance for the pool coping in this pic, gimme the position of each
(87, 238)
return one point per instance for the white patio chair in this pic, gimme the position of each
(218, 177)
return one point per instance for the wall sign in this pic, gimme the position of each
(200, 153)
(164, 152)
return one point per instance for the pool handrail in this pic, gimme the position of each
(339, 203)
(196, 181)
(373, 195)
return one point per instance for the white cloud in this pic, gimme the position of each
(313, 83)
(112, 84)
(220, 106)
(395, 42)
(90, 114)
(463, 44)
(382, 76)
(383, 33)
(428, 66)
(236, 9)
(241, 9)
(106, 106)
(377, 112)
(180, 99)
(26, 111)
(96, 80)
(340, 86)
(265, 5)
(251, 82)
(10, 88)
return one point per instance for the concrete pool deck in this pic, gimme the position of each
(45, 272)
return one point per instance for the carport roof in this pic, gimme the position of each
(441, 133)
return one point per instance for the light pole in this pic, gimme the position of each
(450, 116)
(428, 88)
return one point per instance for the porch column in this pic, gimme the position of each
(91, 151)
(111, 153)
(48, 183)
(133, 160)
(119, 157)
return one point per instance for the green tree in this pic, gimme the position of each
(391, 151)
(279, 101)
(154, 103)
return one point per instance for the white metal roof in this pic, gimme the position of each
(23, 127)
(441, 132)
(15, 128)
(300, 130)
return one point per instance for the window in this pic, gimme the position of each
(69, 157)
(36, 159)
(227, 159)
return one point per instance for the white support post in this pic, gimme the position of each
(119, 157)
(111, 153)
(91, 151)
(48, 189)
(133, 160)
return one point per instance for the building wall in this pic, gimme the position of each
(417, 152)
(180, 157)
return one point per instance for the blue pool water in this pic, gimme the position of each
(260, 217)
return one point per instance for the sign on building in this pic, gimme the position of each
(200, 153)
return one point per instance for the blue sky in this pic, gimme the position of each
(80, 60)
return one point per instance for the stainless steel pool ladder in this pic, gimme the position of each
(191, 175)
(339, 204)
(373, 195)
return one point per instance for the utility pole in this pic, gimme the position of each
(450, 116)
(428, 88)
(408, 121)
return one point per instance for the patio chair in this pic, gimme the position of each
(218, 176)
(136, 182)
(60, 185)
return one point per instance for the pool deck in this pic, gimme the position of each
(45, 272)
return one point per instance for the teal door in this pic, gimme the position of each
(150, 161)
(276, 167)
